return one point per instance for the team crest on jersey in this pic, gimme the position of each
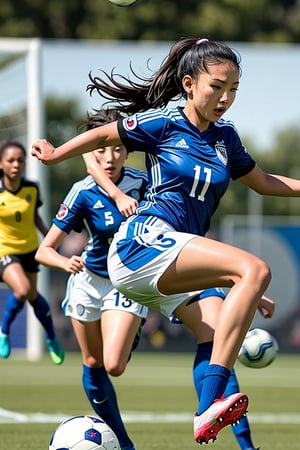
(130, 123)
(62, 212)
(29, 198)
(80, 309)
(221, 151)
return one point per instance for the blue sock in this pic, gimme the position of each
(201, 363)
(213, 386)
(102, 397)
(241, 430)
(42, 312)
(12, 308)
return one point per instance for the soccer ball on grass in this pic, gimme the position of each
(83, 433)
(123, 2)
(259, 349)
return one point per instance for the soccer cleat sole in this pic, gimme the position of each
(229, 416)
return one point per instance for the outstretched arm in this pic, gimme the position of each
(269, 184)
(104, 136)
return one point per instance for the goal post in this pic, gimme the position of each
(31, 51)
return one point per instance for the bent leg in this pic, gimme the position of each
(204, 263)
(211, 384)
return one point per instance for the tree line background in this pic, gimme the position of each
(233, 20)
(226, 20)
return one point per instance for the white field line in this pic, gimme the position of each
(13, 417)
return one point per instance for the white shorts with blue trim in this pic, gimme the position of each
(139, 254)
(88, 294)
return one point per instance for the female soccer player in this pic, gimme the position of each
(105, 322)
(19, 219)
(209, 304)
(161, 253)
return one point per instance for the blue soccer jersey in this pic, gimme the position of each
(188, 170)
(86, 202)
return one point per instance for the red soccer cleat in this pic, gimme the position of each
(223, 412)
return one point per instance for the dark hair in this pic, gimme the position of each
(101, 117)
(11, 143)
(188, 56)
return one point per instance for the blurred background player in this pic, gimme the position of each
(105, 322)
(19, 221)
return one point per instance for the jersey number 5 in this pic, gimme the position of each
(109, 220)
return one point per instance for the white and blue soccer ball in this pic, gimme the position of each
(84, 433)
(123, 2)
(259, 349)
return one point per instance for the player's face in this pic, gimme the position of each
(112, 160)
(13, 163)
(211, 94)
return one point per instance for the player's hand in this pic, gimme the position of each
(266, 307)
(125, 204)
(44, 151)
(74, 264)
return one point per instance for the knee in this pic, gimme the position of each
(264, 274)
(115, 367)
(260, 275)
(22, 293)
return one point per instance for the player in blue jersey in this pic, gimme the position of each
(105, 322)
(210, 302)
(19, 222)
(160, 255)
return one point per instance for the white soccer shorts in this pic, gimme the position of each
(135, 263)
(88, 294)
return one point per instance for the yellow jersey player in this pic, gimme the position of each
(19, 222)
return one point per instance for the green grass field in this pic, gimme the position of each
(156, 397)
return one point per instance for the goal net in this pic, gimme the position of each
(22, 118)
